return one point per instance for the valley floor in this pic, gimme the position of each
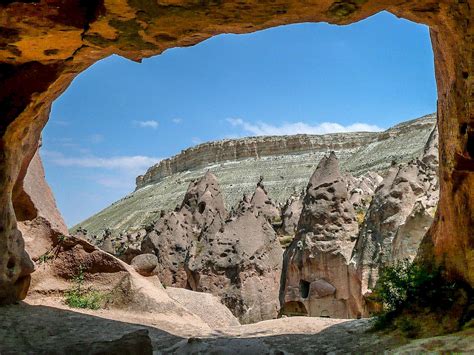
(47, 326)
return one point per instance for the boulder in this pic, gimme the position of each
(208, 307)
(145, 264)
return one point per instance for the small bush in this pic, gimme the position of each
(89, 299)
(407, 288)
(285, 240)
(77, 297)
(407, 281)
(45, 257)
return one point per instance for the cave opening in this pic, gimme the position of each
(144, 105)
(41, 35)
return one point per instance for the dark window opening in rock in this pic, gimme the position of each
(304, 288)
(294, 309)
(470, 144)
(202, 207)
(11, 263)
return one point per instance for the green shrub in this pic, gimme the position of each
(409, 282)
(77, 297)
(89, 299)
(406, 288)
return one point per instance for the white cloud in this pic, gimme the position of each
(196, 140)
(264, 129)
(177, 120)
(59, 122)
(147, 124)
(137, 163)
(96, 138)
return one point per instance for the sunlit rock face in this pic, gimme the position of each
(242, 265)
(45, 44)
(317, 270)
(400, 214)
(173, 236)
(237, 259)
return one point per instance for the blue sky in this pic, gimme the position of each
(119, 117)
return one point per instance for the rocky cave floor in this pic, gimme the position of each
(45, 325)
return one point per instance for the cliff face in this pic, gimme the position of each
(223, 151)
(286, 163)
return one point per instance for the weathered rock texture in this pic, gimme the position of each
(286, 163)
(400, 214)
(318, 278)
(236, 259)
(45, 44)
(208, 307)
(241, 263)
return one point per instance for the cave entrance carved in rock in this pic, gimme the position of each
(46, 44)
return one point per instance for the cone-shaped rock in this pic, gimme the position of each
(241, 264)
(316, 272)
(264, 204)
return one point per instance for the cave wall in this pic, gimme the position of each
(44, 44)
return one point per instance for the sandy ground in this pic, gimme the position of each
(47, 326)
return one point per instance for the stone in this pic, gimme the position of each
(145, 264)
(241, 264)
(285, 162)
(264, 204)
(40, 197)
(237, 259)
(174, 234)
(208, 307)
(291, 213)
(137, 342)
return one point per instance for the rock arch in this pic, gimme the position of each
(45, 44)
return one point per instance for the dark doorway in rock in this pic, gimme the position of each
(294, 309)
(304, 288)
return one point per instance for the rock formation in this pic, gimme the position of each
(291, 213)
(317, 273)
(400, 214)
(285, 162)
(237, 259)
(172, 237)
(45, 44)
(241, 264)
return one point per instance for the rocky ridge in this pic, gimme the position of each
(286, 163)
